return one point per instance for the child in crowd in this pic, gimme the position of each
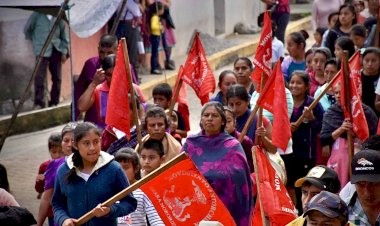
(330, 70)
(277, 45)
(317, 78)
(358, 35)
(156, 124)
(309, 54)
(295, 44)
(156, 30)
(145, 211)
(152, 155)
(347, 18)
(226, 79)
(333, 18)
(318, 36)
(174, 126)
(45, 209)
(55, 151)
(84, 181)
(238, 100)
(243, 68)
(305, 136)
(370, 76)
(344, 43)
(162, 97)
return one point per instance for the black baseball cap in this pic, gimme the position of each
(322, 177)
(329, 204)
(365, 166)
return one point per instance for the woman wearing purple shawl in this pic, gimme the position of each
(221, 160)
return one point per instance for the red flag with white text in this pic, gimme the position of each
(183, 104)
(182, 196)
(357, 116)
(263, 55)
(118, 108)
(277, 204)
(197, 72)
(273, 98)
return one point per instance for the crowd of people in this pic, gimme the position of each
(92, 161)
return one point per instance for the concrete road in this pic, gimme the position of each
(22, 154)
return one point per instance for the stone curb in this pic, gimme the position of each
(49, 117)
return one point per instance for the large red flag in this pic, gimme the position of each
(277, 204)
(357, 116)
(118, 102)
(273, 98)
(197, 72)
(182, 196)
(183, 105)
(263, 55)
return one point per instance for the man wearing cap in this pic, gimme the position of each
(326, 208)
(318, 179)
(364, 204)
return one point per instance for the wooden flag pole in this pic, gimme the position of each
(346, 73)
(176, 93)
(255, 165)
(316, 100)
(248, 123)
(117, 18)
(134, 186)
(131, 90)
(260, 117)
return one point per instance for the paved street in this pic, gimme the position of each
(22, 154)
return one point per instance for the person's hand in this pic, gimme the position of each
(63, 58)
(99, 76)
(326, 152)
(261, 131)
(100, 210)
(40, 177)
(308, 114)
(346, 126)
(293, 126)
(69, 222)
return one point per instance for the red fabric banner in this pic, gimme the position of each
(357, 116)
(197, 72)
(182, 196)
(183, 104)
(263, 55)
(118, 110)
(277, 205)
(273, 98)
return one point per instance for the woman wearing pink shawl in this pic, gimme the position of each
(221, 159)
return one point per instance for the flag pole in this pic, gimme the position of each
(248, 123)
(83, 219)
(117, 18)
(377, 33)
(348, 104)
(316, 100)
(177, 87)
(131, 90)
(260, 116)
(255, 165)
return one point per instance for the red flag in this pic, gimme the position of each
(118, 102)
(277, 204)
(182, 196)
(183, 105)
(197, 72)
(263, 55)
(357, 116)
(273, 98)
(354, 64)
